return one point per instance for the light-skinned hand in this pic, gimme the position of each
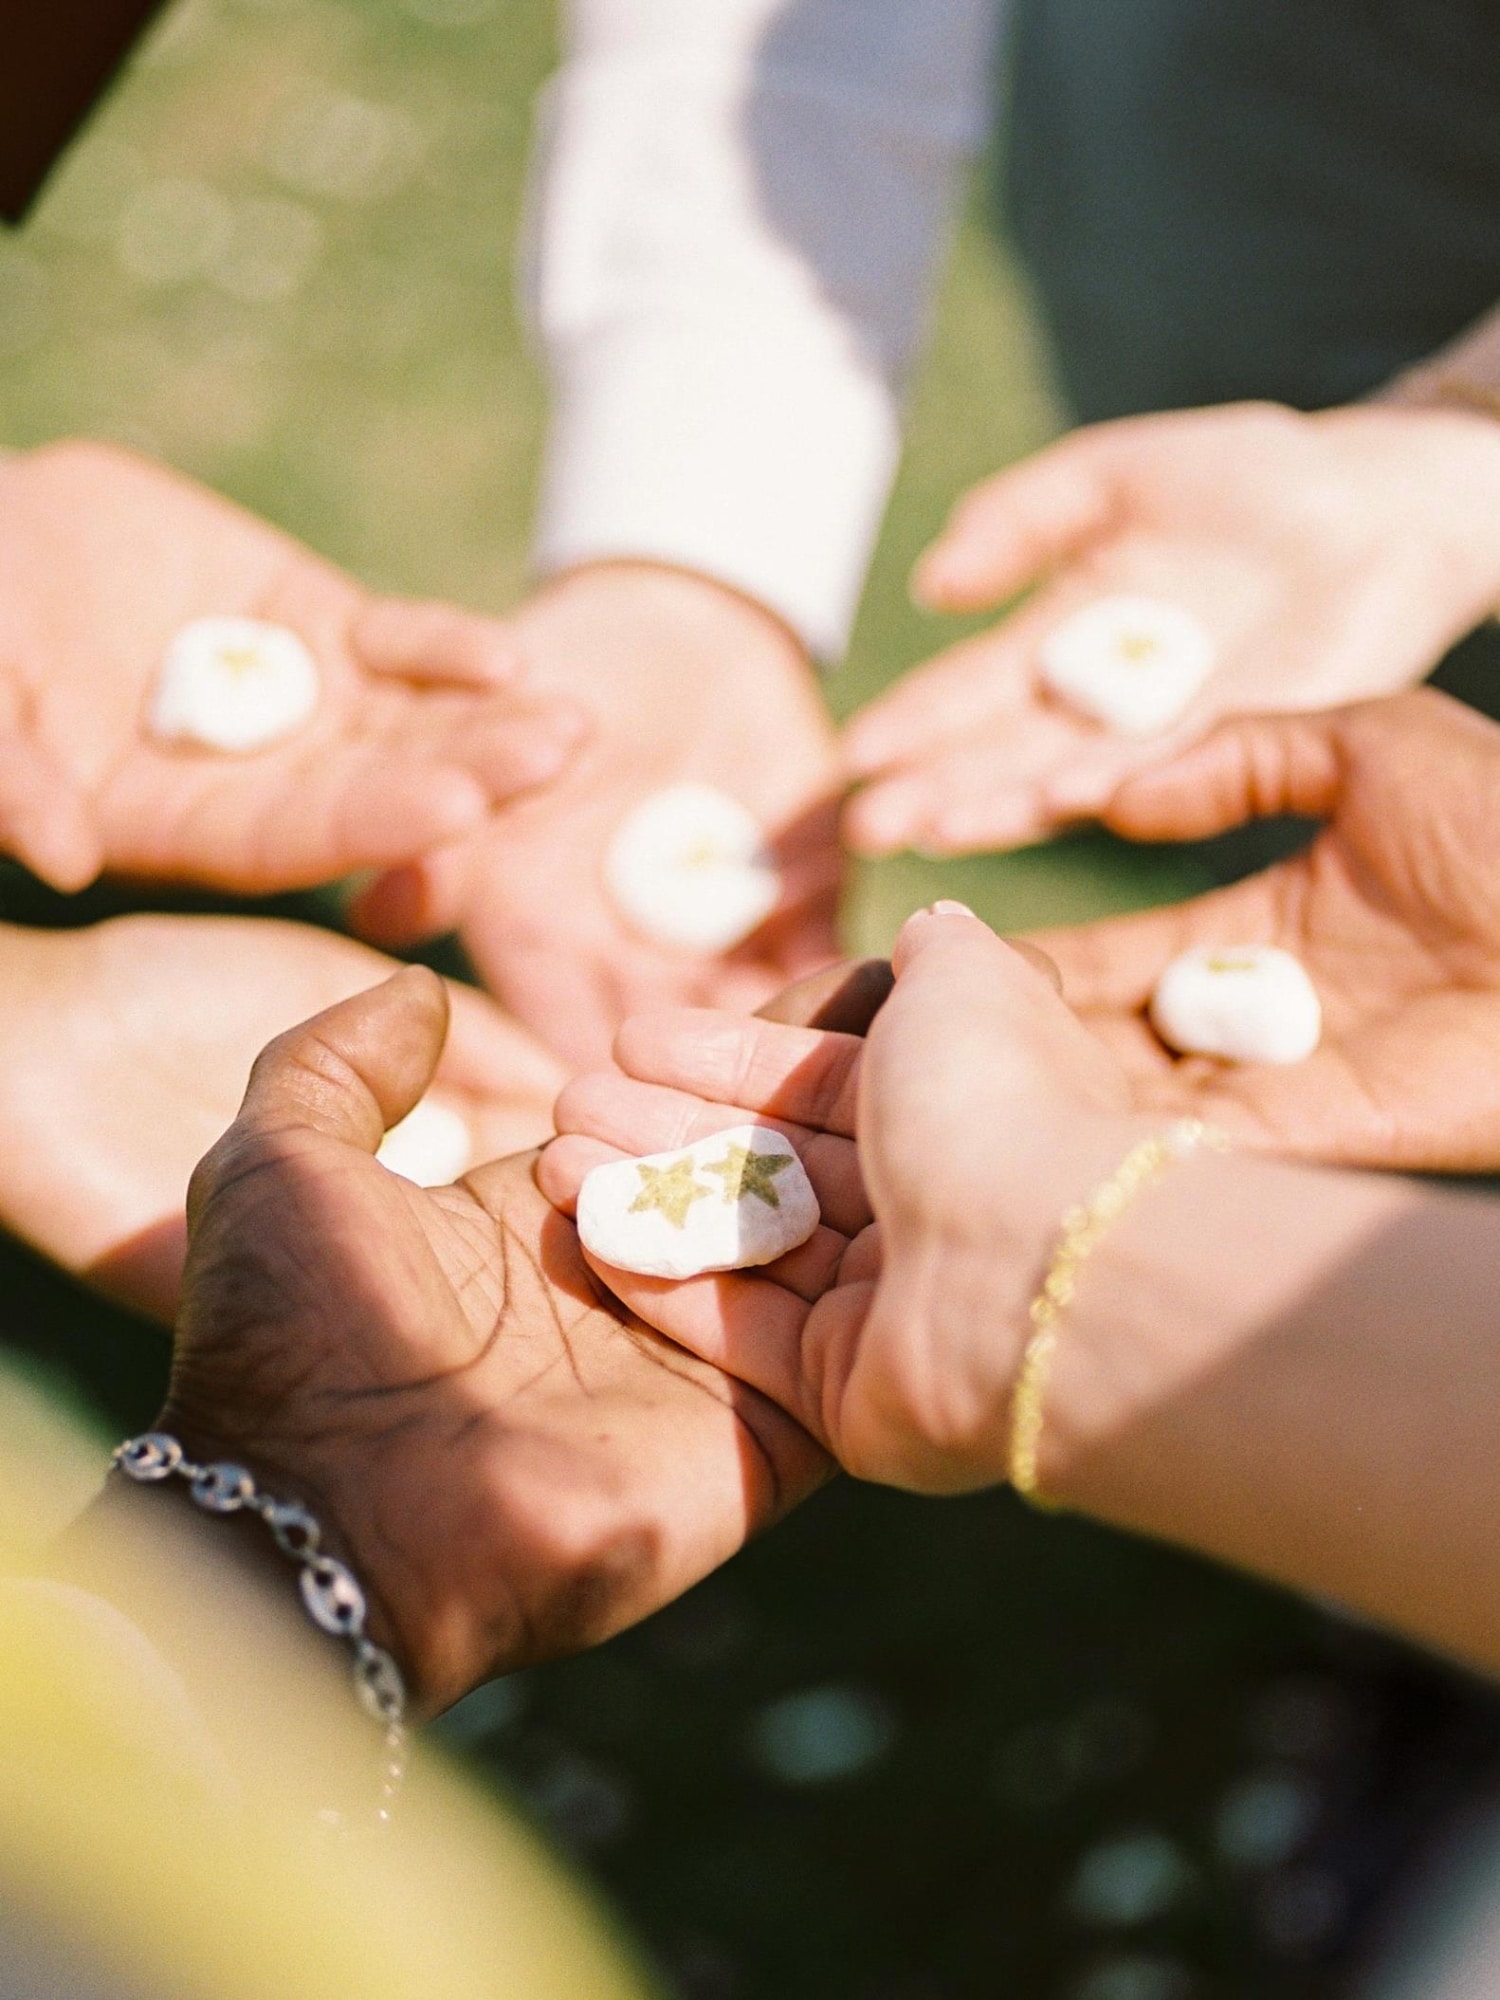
(127, 1049)
(421, 732)
(943, 1149)
(1332, 557)
(1200, 1388)
(513, 1464)
(686, 681)
(1394, 910)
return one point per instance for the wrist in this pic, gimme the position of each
(1449, 470)
(701, 608)
(313, 1477)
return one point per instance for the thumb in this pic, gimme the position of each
(356, 1069)
(975, 1018)
(1014, 528)
(1253, 767)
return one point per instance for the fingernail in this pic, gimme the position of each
(948, 908)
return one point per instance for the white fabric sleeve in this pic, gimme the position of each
(738, 212)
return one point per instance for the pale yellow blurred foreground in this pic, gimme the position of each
(156, 1856)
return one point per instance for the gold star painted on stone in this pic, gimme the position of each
(744, 1172)
(1226, 962)
(239, 659)
(671, 1191)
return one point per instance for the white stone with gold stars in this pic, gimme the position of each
(234, 685)
(737, 1200)
(688, 868)
(1133, 663)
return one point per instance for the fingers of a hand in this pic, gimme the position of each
(841, 999)
(514, 746)
(802, 1074)
(641, 1118)
(492, 1056)
(424, 641)
(1113, 966)
(1018, 525)
(45, 821)
(961, 994)
(984, 680)
(935, 814)
(743, 1322)
(1249, 768)
(356, 1069)
(421, 900)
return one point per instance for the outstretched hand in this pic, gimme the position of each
(1331, 558)
(1394, 910)
(942, 1150)
(686, 681)
(418, 737)
(128, 1046)
(515, 1466)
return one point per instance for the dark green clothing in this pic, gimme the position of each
(1220, 199)
(1227, 198)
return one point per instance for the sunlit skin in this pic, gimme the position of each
(1331, 558)
(1394, 911)
(1199, 1389)
(128, 1046)
(686, 681)
(423, 729)
(513, 1463)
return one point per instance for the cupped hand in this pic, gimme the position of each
(127, 1048)
(686, 681)
(1331, 558)
(1394, 910)
(104, 557)
(943, 1149)
(514, 1465)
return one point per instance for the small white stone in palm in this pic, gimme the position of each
(730, 1203)
(234, 685)
(689, 868)
(432, 1145)
(1243, 1003)
(1136, 664)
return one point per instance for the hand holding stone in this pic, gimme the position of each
(943, 1149)
(1318, 560)
(412, 736)
(515, 1466)
(1394, 911)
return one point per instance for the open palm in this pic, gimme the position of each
(1332, 558)
(515, 1465)
(103, 559)
(128, 1047)
(1394, 910)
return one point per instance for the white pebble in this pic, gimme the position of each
(739, 1199)
(233, 684)
(689, 868)
(1133, 663)
(431, 1146)
(1245, 1003)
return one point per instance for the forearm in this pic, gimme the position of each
(740, 209)
(1298, 1373)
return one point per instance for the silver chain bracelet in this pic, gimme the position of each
(330, 1591)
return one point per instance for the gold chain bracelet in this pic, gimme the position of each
(1083, 1229)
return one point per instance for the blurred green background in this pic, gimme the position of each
(896, 1752)
(283, 259)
